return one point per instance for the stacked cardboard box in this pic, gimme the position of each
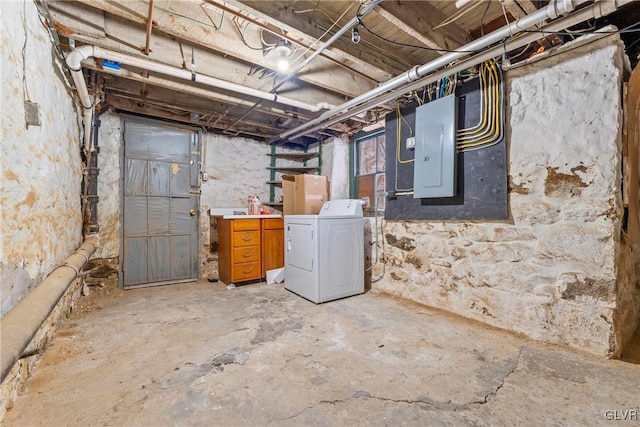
(304, 194)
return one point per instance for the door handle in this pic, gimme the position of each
(288, 244)
(192, 212)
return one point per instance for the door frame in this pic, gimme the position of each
(192, 191)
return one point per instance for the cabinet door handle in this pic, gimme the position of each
(247, 271)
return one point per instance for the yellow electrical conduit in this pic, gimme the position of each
(494, 132)
(483, 104)
(400, 120)
(488, 104)
(480, 134)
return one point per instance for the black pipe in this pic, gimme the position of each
(91, 198)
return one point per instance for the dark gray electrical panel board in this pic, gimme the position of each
(434, 168)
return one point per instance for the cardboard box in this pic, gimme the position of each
(288, 194)
(311, 191)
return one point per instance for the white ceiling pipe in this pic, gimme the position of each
(461, 3)
(552, 11)
(75, 58)
(353, 22)
(85, 99)
(591, 12)
(185, 88)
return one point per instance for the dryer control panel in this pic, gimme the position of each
(342, 207)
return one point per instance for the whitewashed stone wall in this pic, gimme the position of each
(237, 168)
(40, 179)
(109, 192)
(327, 160)
(338, 161)
(552, 271)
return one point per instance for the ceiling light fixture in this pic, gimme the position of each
(355, 35)
(506, 61)
(283, 50)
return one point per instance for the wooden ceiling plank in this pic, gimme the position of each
(321, 72)
(515, 8)
(202, 93)
(130, 105)
(417, 19)
(301, 30)
(167, 51)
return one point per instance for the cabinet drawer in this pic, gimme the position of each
(246, 224)
(246, 254)
(273, 223)
(246, 271)
(246, 238)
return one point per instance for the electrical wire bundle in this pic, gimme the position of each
(489, 129)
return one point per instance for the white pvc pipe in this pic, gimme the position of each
(75, 58)
(85, 99)
(552, 11)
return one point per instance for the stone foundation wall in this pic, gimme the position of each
(109, 191)
(237, 168)
(553, 271)
(40, 165)
(14, 381)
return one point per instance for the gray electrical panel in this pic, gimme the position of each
(434, 168)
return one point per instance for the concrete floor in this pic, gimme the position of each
(198, 354)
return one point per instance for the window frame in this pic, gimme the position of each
(354, 166)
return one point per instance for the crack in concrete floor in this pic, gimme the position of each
(268, 357)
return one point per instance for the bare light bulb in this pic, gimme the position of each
(506, 62)
(283, 50)
(283, 64)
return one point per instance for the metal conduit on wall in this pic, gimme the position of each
(418, 77)
(20, 325)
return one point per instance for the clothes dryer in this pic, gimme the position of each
(324, 253)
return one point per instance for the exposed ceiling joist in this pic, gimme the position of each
(174, 19)
(234, 41)
(518, 8)
(167, 51)
(134, 106)
(299, 28)
(417, 19)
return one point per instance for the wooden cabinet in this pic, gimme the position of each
(249, 247)
(272, 244)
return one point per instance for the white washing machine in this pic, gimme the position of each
(324, 253)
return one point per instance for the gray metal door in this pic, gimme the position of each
(160, 212)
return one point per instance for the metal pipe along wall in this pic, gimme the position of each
(19, 326)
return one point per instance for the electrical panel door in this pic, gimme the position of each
(434, 170)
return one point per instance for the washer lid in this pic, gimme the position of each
(342, 207)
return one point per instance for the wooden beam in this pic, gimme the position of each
(300, 29)
(183, 20)
(173, 52)
(632, 158)
(130, 105)
(417, 19)
(199, 92)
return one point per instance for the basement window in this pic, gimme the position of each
(368, 179)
